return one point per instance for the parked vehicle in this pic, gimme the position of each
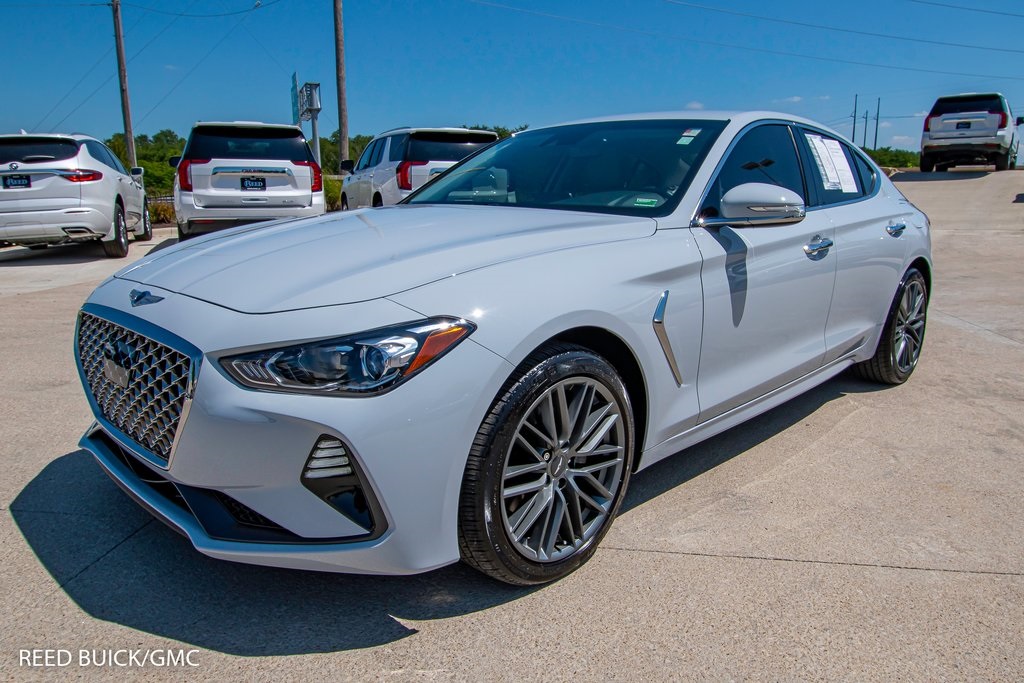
(477, 372)
(244, 172)
(69, 188)
(400, 161)
(973, 128)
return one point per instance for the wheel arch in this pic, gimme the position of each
(926, 270)
(617, 352)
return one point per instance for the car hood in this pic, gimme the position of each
(362, 255)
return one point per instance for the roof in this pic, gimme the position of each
(65, 136)
(246, 124)
(432, 129)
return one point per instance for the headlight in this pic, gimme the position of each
(365, 363)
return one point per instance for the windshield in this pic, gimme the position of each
(445, 146)
(634, 168)
(964, 104)
(243, 142)
(29, 149)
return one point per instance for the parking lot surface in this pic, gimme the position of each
(857, 532)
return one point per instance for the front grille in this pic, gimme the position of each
(139, 385)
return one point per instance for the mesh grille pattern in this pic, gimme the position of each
(149, 407)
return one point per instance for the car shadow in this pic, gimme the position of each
(64, 254)
(119, 565)
(952, 174)
(1019, 199)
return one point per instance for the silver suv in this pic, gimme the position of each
(243, 172)
(970, 128)
(398, 161)
(69, 188)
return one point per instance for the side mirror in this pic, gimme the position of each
(1020, 120)
(174, 161)
(138, 171)
(347, 165)
(752, 204)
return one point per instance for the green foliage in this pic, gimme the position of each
(152, 154)
(897, 158)
(161, 213)
(332, 192)
(502, 131)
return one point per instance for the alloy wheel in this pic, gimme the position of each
(908, 332)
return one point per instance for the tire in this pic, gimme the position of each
(147, 226)
(344, 203)
(1002, 161)
(555, 523)
(37, 247)
(899, 348)
(927, 164)
(117, 247)
(182, 235)
(377, 201)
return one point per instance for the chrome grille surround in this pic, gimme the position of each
(160, 369)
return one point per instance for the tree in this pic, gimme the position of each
(502, 131)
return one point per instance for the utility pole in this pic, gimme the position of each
(878, 109)
(122, 75)
(339, 58)
(854, 136)
(865, 144)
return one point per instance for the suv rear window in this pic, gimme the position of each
(29, 149)
(228, 142)
(440, 146)
(966, 103)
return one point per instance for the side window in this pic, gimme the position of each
(113, 158)
(868, 176)
(397, 152)
(99, 153)
(765, 154)
(364, 158)
(378, 151)
(834, 171)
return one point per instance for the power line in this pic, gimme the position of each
(257, 5)
(887, 36)
(968, 9)
(712, 43)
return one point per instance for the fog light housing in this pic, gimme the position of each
(332, 474)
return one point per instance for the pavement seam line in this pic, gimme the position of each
(1016, 342)
(766, 558)
(101, 557)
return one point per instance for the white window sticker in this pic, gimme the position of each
(688, 135)
(833, 165)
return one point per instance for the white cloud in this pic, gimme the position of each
(824, 97)
(171, 67)
(789, 100)
(904, 141)
(921, 114)
(694, 105)
(885, 124)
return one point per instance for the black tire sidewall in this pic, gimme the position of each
(890, 328)
(573, 363)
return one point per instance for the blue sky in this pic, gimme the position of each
(506, 62)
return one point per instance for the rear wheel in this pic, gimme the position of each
(1002, 161)
(344, 203)
(117, 246)
(927, 164)
(37, 247)
(147, 226)
(903, 335)
(377, 201)
(548, 468)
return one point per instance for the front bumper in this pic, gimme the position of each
(410, 445)
(54, 226)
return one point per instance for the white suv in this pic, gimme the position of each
(398, 161)
(968, 129)
(69, 188)
(243, 172)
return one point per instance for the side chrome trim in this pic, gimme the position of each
(666, 346)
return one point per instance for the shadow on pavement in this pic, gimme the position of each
(120, 565)
(63, 254)
(953, 174)
(1019, 199)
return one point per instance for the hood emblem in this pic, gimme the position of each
(118, 359)
(141, 298)
(13, 166)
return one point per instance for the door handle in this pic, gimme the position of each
(818, 245)
(896, 229)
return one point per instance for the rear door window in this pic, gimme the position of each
(231, 142)
(834, 173)
(445, 146)
(28, 149)
(378, 151)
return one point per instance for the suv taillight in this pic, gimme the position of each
(317, 184)
(1002, 118)
(81, 176)
(927, 123)
(185, 172)
(403, 172)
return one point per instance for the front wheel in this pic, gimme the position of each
(147, 225)
(344, 203)
(927, 164)
(117, 246)
(548, 468)
(903, 335)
